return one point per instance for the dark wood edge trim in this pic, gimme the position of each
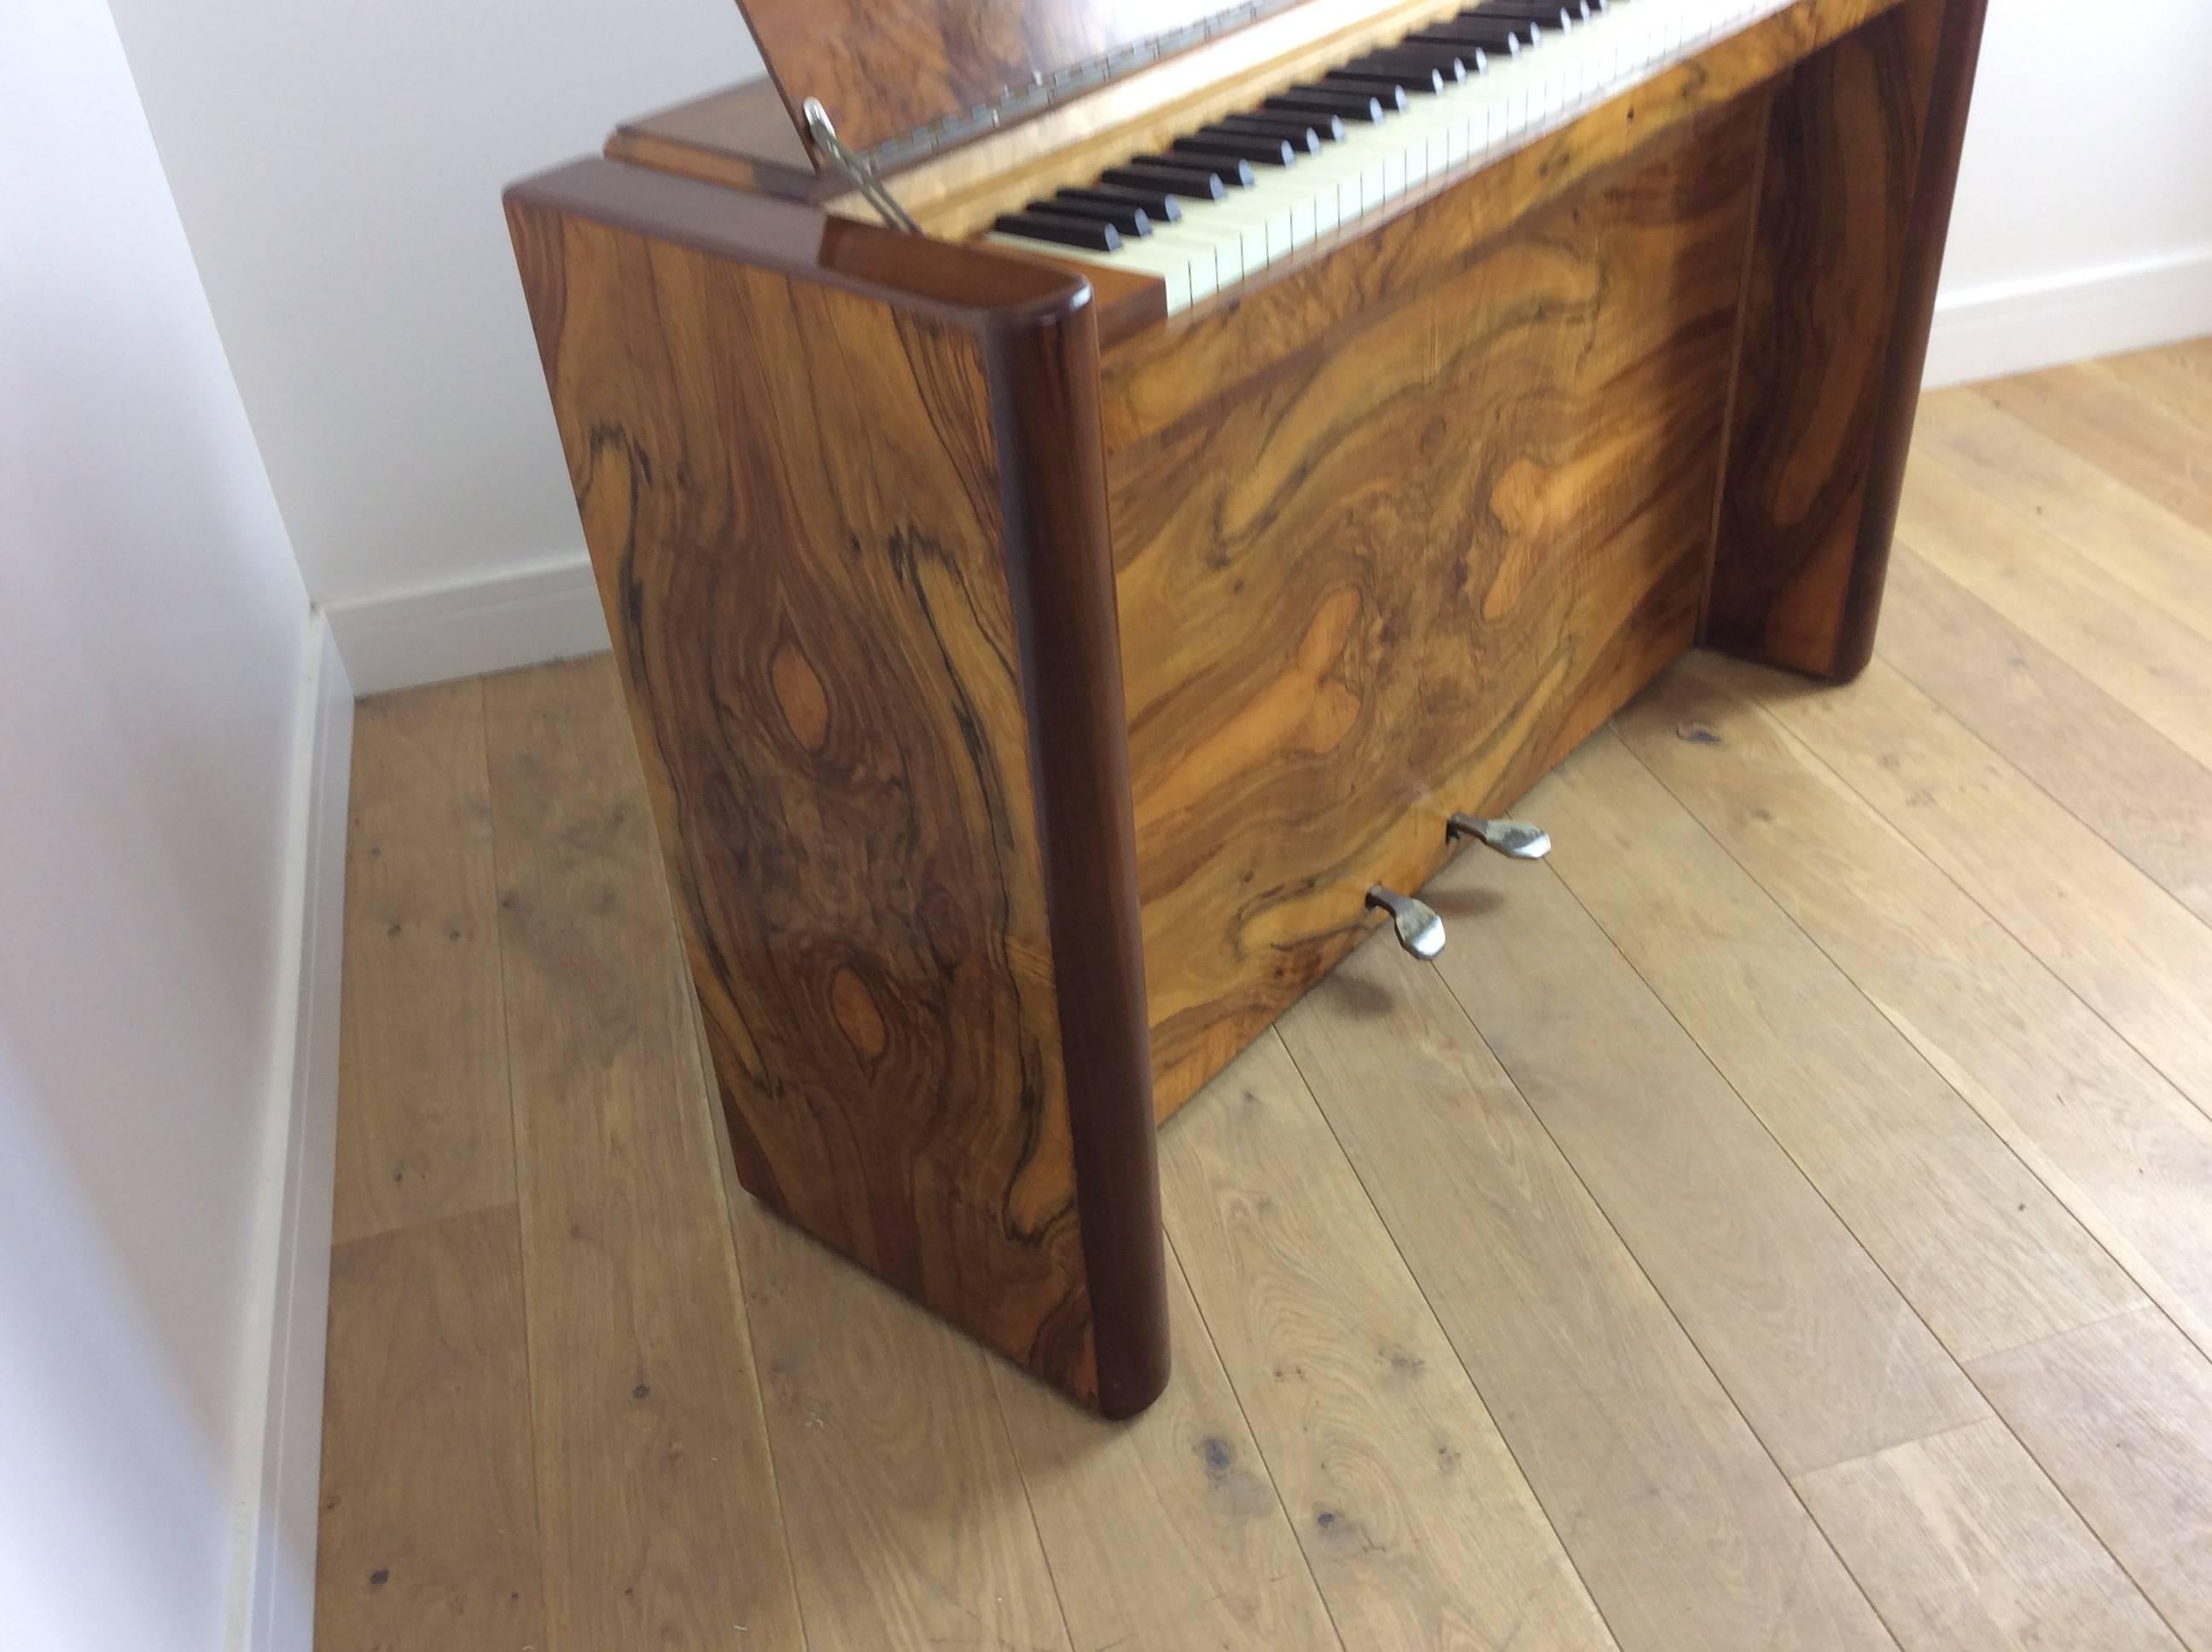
(1060, 572)
(973, 287)
(1735, 364)
(734, 171)
(1944, 136)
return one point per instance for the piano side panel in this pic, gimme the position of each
(1859, 171)
(845, 537)
(1406, 576)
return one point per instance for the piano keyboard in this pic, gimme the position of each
(1221, 204)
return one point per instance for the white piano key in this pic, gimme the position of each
(1217, 244)
(1138, 255)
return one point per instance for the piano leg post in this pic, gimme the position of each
(1839, 294)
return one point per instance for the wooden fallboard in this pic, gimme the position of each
(1404, 575)
(883, 72)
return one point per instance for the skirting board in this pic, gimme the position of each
(273, 1572)
(1988, 332)
(550, 609)
(546, 610)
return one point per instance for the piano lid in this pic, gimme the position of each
(900, 78)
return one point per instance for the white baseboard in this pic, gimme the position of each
(1988, 332)
(547, 610)
(273, 1573)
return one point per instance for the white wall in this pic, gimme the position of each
(2084, 218)
(338, 170)
(152, 628)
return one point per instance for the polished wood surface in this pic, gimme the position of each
(846, 514)
(1404, 576)
(741, 135)
(1861, 166)
(883, 72)
(1384, 1243)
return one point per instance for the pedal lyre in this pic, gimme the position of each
(1419, 930)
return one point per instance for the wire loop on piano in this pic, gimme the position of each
(857, 167)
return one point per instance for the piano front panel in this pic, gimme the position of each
(1404, 575)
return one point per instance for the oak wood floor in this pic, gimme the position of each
(1782, 1220)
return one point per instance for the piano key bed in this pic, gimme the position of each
(1220, 204)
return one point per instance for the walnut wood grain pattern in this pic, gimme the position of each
(741, 135)
(883, 70)
(1861, 163)
(846, 510)
(1306, 305)
(1405, 577)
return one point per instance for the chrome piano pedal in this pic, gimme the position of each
(1419, 930)
(1514, 839)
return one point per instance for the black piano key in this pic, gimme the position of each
(1192, 183)
(1551, 14)
(1062, 232)
(1255, 147)
(1335, 100)
(1306, 130)
(1131, 219)
(1498, 36)
(1159, 206)
(1302, 138)
(1233, 170)
(1406, 80)
(1446, 60)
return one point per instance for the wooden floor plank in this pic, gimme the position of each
(2138, 791)
(2107, 523)
(1420, 1527)
(1678, 1521)
(2120, 1416)
(908, 1524)
(2152, 662)
(1166, 1532)
(1827, 1361)
(2134, 954)
(423, 1124)
(1980, 1247)
(2155, 450)
(2176, 377)
(2124, 1150)
(429, 1511)
(659, 1517)
(1964, 1546)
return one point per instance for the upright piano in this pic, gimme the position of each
(1097, 501)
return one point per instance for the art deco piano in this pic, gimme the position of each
(1085, 492)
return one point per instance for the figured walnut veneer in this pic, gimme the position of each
(1407, 573)
(841, 501)
(1860, 169)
